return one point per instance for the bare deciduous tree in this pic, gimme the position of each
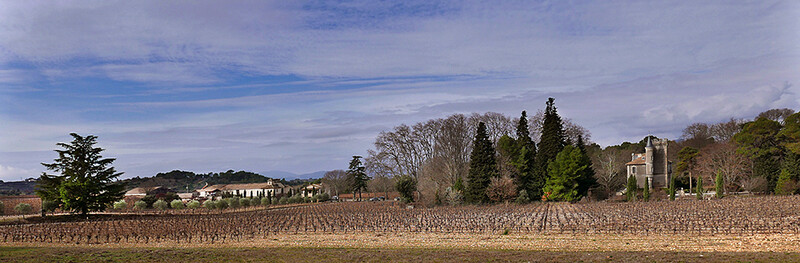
(723, 158)
(724, 131)
(610, 169)
(571, 129)
(501, 189)
(337, 181)
(776, 114)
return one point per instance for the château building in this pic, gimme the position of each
(652, 165)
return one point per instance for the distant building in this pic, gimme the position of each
(143, 191)
(652, 165)
(311, 190)
(271, 187)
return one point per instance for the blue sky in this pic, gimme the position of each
(302, 86)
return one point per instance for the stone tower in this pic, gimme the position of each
(648, 162)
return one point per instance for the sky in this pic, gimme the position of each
(301, 86)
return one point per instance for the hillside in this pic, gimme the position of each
(184, 181)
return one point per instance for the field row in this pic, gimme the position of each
(753, 215)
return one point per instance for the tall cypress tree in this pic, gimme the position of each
(359, 175)
(525, 161)
(482, 167)
(550, 144)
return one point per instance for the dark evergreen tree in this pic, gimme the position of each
(551, 143)
(358, 172)
(631, 188)
(406, 185)
(586, 180)
(87, 181)
(524, 162)
(646, 191)
(719, 184)
(482, 167)
(672, 188)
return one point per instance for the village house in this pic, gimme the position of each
(651, 166)
(143, 191)
(313, 189)
(271, 187)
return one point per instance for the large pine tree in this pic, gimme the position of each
(587, 180)
(550, 144)
(525, 161)
(565, 173)
(357, 171)
(482, 167)
(87, 181)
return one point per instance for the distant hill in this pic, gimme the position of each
(290, 175)
(18, 187)
(183, 181)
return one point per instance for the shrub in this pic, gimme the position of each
(234, 202)
(160, 204)
(295, 199)
(406, 185)
(119, 205)
(48, 206)
(176, 204)
(522, 198)
(307, 199)
(323, 197)
(139, 205)
(283, 200)
(244, 202)
(264, 201)
(210, 204)
(23, 208)
(2, 207)
(221, 204)
(194, 204)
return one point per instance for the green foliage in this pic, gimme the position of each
(323, 197)
(759, 141)
(719, 185)
(177, 204)
(522, 198)
(586, 180)
(699, 190)
(194, 204)
(244, 202)
(687, 159)
(283, 200)
(87, 180)
(233, 202)
(672, 188)
(23, 208)
(646, 191)
(119, 205)
(160, 205)
(406, 185)
(295, 199)
(48, 206)
(459, 185)
(209, 204)
(787, 182)
(790, 134)
(265, 201)
(357, 171)
(140, 205)
(220, 204)
(551, 143)
(565, 173)
(2, 207)
(482, 167)
(632, 188)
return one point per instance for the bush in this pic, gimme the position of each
(244, 202)
(234, 202)
(194, 204)
(176, 204)
(295, 199)
(2, 207)
(406, 185)
(23, 208)
(160, 204)
(522, 198)
(221, 204)
(323, 197)
(283, 200)
(210, 204)
(119, 205)
(264, 201)
(48, 206)
(307, 199)
(139, 205)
